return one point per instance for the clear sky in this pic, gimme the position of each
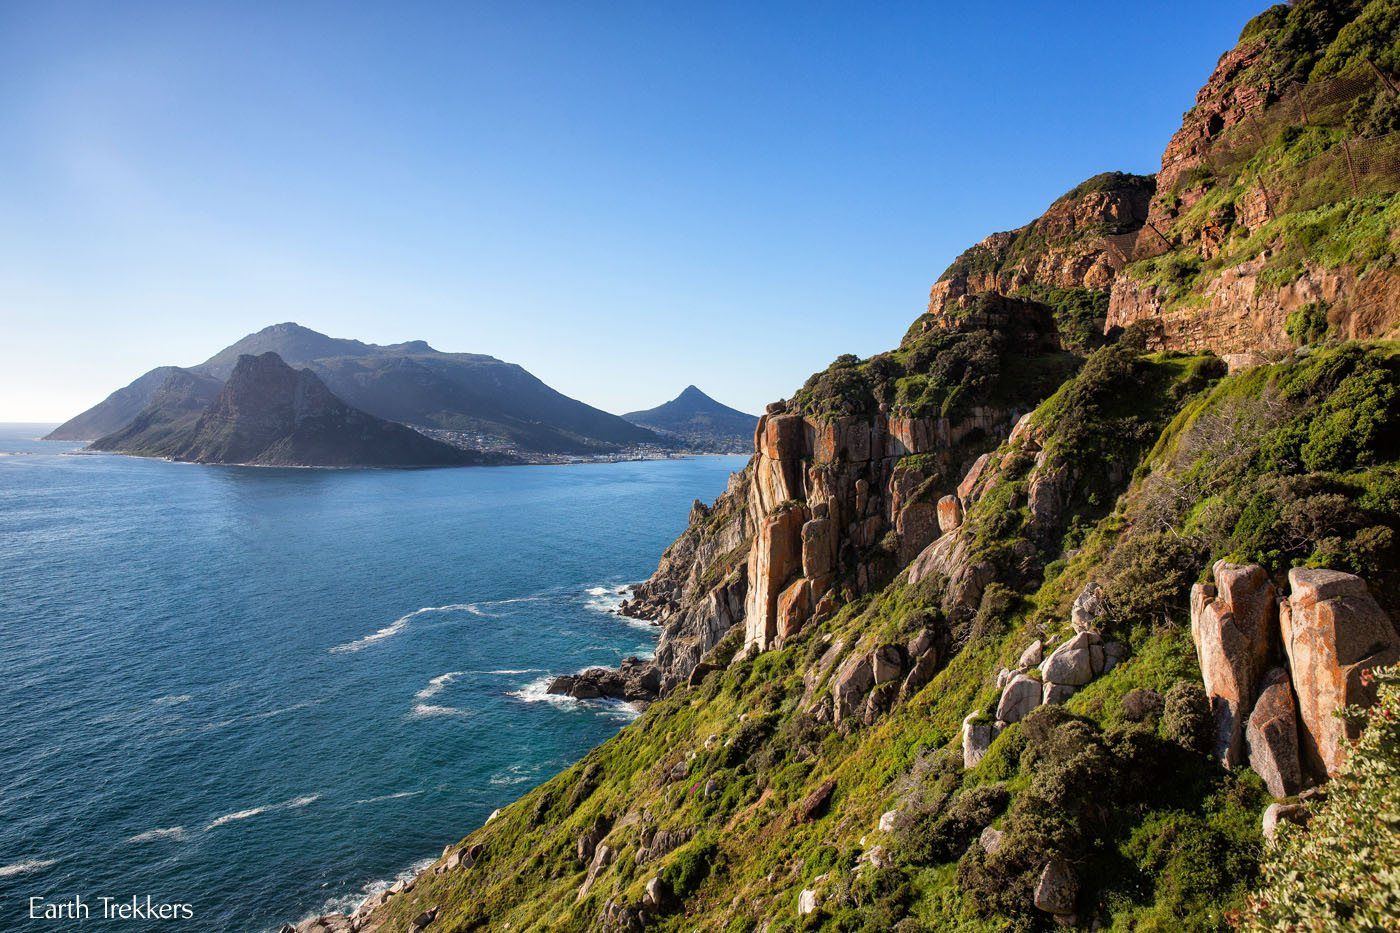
(622, 197)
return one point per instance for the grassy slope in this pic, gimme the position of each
(1165, 855)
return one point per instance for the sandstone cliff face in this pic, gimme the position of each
(841, 505)
(697, 592)
(1082, 241)
(1228, 173)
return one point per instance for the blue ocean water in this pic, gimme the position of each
(263, 691)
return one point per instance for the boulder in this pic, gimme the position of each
(1114, 654)
(794, 608)
(1055, 694)
(886, 663)
(950, 514)
(977, 735)
(1089, 608)
(1272, 736)
(887, 820)
(853, 681)
(922, 643)
(1333, 630)
(1058, 888)
(1232, 626)
(697, 673)
(1033, 655)
(815, 803)
(602, 858)
(1072, 663)
(920, 673)
(656, 895)
(1276, 813)
(1022, 694)
(423, 920)
(807, 902)
(990, 840)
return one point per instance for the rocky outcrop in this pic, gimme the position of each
(634, 680)
(1057, 890)
(840, 504)
(1232, 624)
(1082, 241)
(698, 590)
(1272, 736)
(1242, 312)
(1333, 631)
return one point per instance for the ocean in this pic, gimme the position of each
(265, 692)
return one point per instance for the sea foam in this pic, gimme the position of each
(237, 815)
(399, 624)
(25, 867)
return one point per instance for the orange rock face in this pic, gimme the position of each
(1232, 624)
(1333, 631)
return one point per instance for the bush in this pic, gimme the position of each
(1186, 718)
(1147, 576)
(1343, 872)
(941, 839)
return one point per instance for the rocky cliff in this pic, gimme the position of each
(1276, 201)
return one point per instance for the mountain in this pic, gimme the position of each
(479, 401)
(270, 414)
(1046, 617)
(161, 428)
(701, 422)
(115, 411)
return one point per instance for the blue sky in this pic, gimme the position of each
(622, 197)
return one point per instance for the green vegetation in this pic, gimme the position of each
(1342, 872)
(939, 371)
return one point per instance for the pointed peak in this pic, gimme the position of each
(691, 393)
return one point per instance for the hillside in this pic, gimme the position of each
(115, 411)
(701, 422)
(162, 426)
(268, 414)
(1046, 617)
(476, 401)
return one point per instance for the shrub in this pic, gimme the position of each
(1186, 718)
(1343, 872)
(1147, 575)
(942, 838)
(1308, 324)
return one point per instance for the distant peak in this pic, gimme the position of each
(691, 393)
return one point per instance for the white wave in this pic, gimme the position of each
(292, 804)
(173, 700)
(536, 691)
(383, 797)
(506, 671)
(25, 867)
(399, 624)
(607, 599)
(348, 903)
(151, 835)
(436, 684)
(427, 709)
(515, 774)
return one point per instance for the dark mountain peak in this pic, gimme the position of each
(269, 413)
(692, 394)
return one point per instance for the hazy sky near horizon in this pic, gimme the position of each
(624, 198)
